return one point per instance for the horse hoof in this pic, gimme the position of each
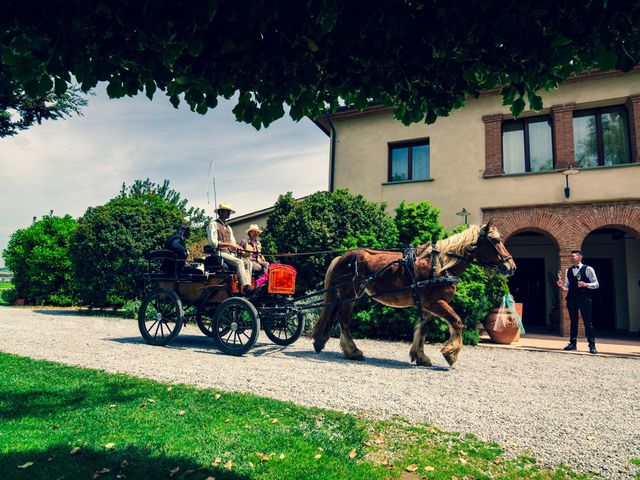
(318, 347)
(359, 356)
(451, 358)
(424, 362)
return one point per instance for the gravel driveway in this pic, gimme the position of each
(580, 410)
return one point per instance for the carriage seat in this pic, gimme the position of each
(213, 262)
(172, 267)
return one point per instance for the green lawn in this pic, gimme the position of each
(72, 423)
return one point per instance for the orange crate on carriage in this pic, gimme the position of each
(282, 279)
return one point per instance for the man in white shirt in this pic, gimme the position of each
(580, 279)
(220, 236)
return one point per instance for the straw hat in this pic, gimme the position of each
(224, 206)
(253, 227)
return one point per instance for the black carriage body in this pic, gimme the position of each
(213, 299)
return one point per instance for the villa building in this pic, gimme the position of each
(564, 178)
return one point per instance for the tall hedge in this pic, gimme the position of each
(326, 221)
(38, 256)
(108, 244)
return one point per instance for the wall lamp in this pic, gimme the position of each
(566, 173)
(463, 213)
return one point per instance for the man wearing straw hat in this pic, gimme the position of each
(253, 249)
(220, 236)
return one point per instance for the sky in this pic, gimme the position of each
(71, 164)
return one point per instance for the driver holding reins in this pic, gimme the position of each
(220, 237)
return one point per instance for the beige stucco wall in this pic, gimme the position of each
(458, 157)
(240, 225)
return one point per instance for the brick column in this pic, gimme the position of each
(633, 107)
(493, 145)
(563, 150)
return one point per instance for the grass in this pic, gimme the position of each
(64, 422)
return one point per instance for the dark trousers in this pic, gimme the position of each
(582, 304)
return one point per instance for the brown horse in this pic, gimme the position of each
(382, 275)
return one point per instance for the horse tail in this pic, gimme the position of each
(322, 329)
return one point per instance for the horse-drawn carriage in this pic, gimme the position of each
(213, 299)
(424, 278)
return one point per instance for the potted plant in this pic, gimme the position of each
(501, 323)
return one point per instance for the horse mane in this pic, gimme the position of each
(456, 245)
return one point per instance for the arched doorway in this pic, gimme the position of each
(614, 254)
(533, 284)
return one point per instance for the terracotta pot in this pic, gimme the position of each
(502, 326)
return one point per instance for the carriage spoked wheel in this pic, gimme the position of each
(160, 317)
(283, 328)
(204, 319)
(236, 326)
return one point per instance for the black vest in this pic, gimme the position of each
(574, 290)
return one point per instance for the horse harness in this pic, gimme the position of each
(407, 263)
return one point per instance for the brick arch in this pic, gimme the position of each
(567, 224)
(622, 217)
(530, 220)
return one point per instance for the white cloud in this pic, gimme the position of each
(69, 165)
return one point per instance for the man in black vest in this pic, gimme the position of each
(580, 279)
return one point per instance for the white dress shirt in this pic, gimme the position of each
(591, 276)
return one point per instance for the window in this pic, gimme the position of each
(601, 137)
(527, 145)
(409, 161)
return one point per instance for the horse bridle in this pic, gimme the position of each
(501, 259)
(471, 253)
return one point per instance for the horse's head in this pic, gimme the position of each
(490, 251)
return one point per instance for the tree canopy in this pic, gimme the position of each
(325, 221)
(106, 247)
(420, 58)
(38, 256)
(19, 111)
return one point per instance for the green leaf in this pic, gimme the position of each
(212, 101)
(115, 88)
(20, 44)
(24, 72)
(195, 46)
(328, 21)
(606, 59)
(518, 107)
(508, 93)
(202, 107)
(150, 88)
(313, 46)
(9, 57)
(46, 84)
(535, 102)
(560, 40)
(60, 86)
(175, 100)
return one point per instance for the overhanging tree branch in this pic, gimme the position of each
(422, 59)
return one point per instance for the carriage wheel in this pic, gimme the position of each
(204, 319)
(284, 328)
(160, 317)
(236, 326)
